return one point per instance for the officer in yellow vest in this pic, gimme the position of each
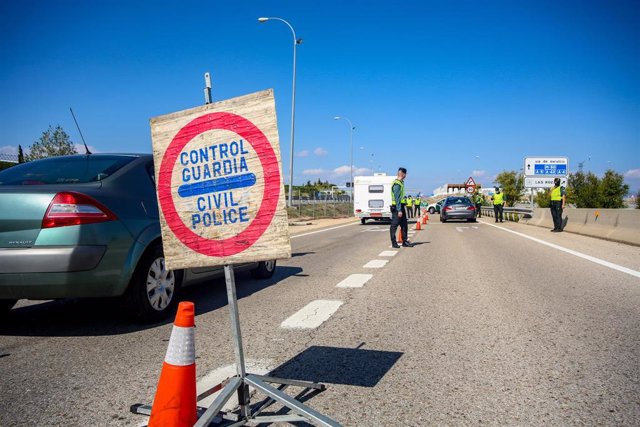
(558, 202)
(498, 203)
(398, 210)
(416, 206)
(409, 206)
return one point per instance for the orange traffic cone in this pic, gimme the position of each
(400, 239)
(418, 226)
(426, 218)
(175, 401)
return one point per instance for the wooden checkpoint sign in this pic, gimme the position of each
(219, 183)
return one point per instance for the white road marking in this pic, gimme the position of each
(376, 263)
(572, 252)
(215, 377)
(388, 253)
(461, 229)
(324, 229)
(312, 315)
(355, 281)
(474, 227)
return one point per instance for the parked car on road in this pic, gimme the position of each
(88, 226)
(459, 207)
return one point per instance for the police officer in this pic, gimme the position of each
(416, 206)
(498, 203)
(409, 206)
(398, 210)
(478, 201)
(558, 202)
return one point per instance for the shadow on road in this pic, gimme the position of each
(105, 316)
(335, 365)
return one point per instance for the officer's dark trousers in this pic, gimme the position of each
(402, 222)
(478, 210)
(417, 211)
(409, 212)
(556, 214)
(497, 210)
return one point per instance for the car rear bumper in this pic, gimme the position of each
(50, 259)
(465, 214)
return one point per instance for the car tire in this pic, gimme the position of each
(6, 305)
(471, 220)
(153, 290)
(442, 219)
(432, 211)
(363, 220)
(264, 270)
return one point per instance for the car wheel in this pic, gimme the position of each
(6, 305)
(264, 270)
(442, 219)
(432, 211)
(152, 292)
(363, 220)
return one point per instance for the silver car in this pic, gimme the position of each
(458, 207)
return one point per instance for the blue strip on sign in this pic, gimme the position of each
(218, 184)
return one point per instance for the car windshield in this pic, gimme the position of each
(458, 201)
(64, 170)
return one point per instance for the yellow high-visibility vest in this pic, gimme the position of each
(410, 202)
(498, 198)
(401, 184)
(556, 194)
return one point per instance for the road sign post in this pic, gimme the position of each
(221, 198)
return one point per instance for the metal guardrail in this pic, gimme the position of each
(509, 213)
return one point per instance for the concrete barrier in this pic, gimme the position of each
(620, 225)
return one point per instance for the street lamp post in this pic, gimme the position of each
(296, 42)
(351, 128)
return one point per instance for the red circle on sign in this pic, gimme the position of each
(271, 172)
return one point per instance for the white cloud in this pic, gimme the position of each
(631, 173)
(303, 153)
(341, 170)
(479, 173)
(313, 172)
(362, 171)
(9, 149)
(320, 152)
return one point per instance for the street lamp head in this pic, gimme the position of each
(263, 19)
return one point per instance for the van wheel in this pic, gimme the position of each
(6, 305)
(432, 211)
(363, 220)
(152, 292)
(264, 270)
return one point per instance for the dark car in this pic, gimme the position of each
(458, 208)
(88, 226)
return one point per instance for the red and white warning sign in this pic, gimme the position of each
(219, 183)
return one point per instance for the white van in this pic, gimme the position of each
(372, 197)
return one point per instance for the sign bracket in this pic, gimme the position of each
(240, 383)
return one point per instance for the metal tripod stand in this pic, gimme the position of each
(241, 382)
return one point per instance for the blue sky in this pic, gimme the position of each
(445, 88)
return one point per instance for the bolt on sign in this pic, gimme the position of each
(219, 183)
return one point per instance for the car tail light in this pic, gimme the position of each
(471, 208)
(358, 210)
(75, 209)
(446, 208)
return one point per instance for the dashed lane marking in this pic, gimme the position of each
(376, 263)
(312, 315)
(355, 281)
(388, 253)
(572, 252)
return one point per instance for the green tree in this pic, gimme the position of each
(53, 142)
(584, 190)
(638, 200)
(613, 189)
(512, 185)
(20, 154)
(543, 198)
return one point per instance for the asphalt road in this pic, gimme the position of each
(475, 325)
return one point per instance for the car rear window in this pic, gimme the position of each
(458, 201)
(64, 170)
